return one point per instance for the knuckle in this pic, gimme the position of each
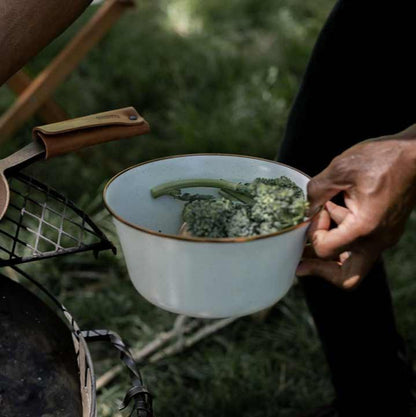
(313, 187)
(366, 227)
(340, 165)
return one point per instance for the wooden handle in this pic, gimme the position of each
(71, 135)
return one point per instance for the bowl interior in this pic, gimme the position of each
(128, 194)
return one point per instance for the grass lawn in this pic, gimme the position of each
(209, 76)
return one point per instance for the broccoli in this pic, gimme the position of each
(208, 218)
(242, 209)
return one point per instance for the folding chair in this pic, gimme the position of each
(34, 96)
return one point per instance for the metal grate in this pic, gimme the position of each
(41, 223)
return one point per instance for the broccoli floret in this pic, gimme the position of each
(240, 223)
(280, 183)
(208, 218)
(276, 208)
(260, 207)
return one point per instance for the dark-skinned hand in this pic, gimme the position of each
(378, 180)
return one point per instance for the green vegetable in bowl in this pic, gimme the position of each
(241, 209)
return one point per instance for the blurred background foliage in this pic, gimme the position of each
(212, 76)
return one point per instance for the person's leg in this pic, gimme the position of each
(360, 83)
(364, 352)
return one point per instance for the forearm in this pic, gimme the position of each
(407, 139)
(411, 137)
(412, 156)
(409, 133)
(27, 26)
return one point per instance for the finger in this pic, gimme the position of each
(329, 270)
(346, 275)
(308, 251)
(344, 256)
(321, 189)
(322, 221)
(328, 243)
(337, 213)
(355, 268)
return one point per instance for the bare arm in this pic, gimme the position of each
(27, 26)
(378, 179)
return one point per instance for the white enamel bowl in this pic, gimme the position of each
(199, 277)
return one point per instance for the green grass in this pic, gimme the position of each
(210, 76)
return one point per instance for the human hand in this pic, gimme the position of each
(345, 269)
(378, 179)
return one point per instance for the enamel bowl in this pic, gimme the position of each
(200, 277)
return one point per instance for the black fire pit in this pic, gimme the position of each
(45, 365)
(39, 373)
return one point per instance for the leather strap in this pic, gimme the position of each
(74, 134)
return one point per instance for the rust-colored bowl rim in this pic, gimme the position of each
(204, 239)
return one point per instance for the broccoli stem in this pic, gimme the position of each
(168, 187)
(234, 195)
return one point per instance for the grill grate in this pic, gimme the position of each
(41, 223)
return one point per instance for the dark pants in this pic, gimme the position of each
(360, 83)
